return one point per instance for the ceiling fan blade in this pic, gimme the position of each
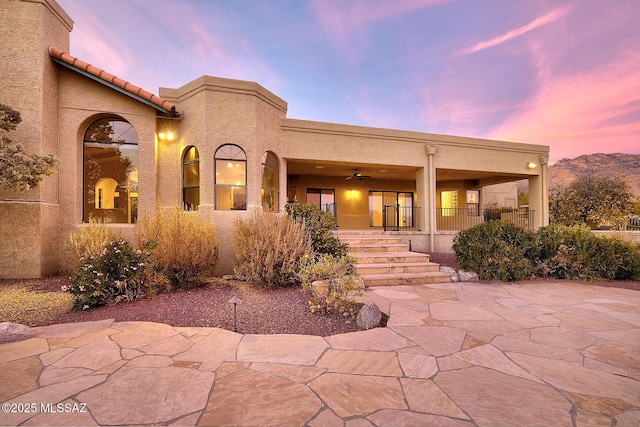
(348, 178)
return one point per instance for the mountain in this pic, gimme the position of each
(565, 171)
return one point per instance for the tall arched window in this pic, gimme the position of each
(270, 182)
(191, 179)
(110, 171)
(231, 178)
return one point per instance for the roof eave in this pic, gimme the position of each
(113, 86)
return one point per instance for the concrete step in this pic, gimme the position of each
(370, 240)
(389, 257)
(398, 268)
(379, 247)
(404, 279)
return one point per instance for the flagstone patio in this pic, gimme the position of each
(453, 354)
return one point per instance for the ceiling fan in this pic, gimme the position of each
(357, 175)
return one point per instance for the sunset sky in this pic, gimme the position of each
(560, 73)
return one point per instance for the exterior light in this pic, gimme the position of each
(166, 136)
(531, 165)
(235, 301)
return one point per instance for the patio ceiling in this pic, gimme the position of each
(381, 171)
(478, 177)
(345, 169)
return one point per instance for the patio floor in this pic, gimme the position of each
(454, 354)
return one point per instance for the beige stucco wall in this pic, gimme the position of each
(29, 220)
(82, 101)
(215, 112)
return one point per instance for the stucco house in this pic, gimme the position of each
(223, 148)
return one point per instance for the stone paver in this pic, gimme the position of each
(453, 354)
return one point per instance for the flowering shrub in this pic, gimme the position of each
(337, 284)
(87, 240)
(115, 274)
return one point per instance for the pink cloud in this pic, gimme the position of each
(343, 22)
(97, 44)
(595, 111)
(536, 23)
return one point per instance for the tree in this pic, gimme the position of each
(594, 201)
(18, 170)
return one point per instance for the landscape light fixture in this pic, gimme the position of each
(235, 301)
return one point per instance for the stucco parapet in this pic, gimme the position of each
(57, 11)
(219, 84)
(308, 126)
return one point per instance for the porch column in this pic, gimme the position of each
(282, 199)
(544, 188)
(430, 187)
(539, 194)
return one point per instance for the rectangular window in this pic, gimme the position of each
(321, 197)
(449, 203)
(473, 202)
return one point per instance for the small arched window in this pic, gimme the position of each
(270, 182)
(110, 172)
(191, 179)
(231, 178)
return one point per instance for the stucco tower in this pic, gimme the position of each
(29, 237)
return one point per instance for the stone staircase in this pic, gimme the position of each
(383, 260)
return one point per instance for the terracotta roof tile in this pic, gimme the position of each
(110, 78)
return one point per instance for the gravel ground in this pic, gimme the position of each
(278, 311)
(39, 302)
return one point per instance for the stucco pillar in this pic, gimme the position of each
(282, 187)
(430, 187)
(544, 188)
(539, 194)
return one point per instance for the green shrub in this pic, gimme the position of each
(496, 251)
(268, 249)
(576, 253)
(88, 240)
(117, 273)
(319, 225)
(341, 284)
(183, 246)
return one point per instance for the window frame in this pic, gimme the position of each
(240, 156)
(185, 187)
(131, 191)
(272, 193)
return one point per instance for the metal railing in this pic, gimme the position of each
(398, 217)
(457, 219)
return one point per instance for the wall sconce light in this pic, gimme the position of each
(531, 165)
(166, 136)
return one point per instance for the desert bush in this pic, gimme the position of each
(87, 241)
(117, 273)
(268, 249)
(576, 253)
(496, 251)
(340, 284)
(319, 225)
(183, 246)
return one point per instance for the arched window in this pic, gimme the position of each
(231, 178)
(110, 172)
(191, 179)
(270, 182)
